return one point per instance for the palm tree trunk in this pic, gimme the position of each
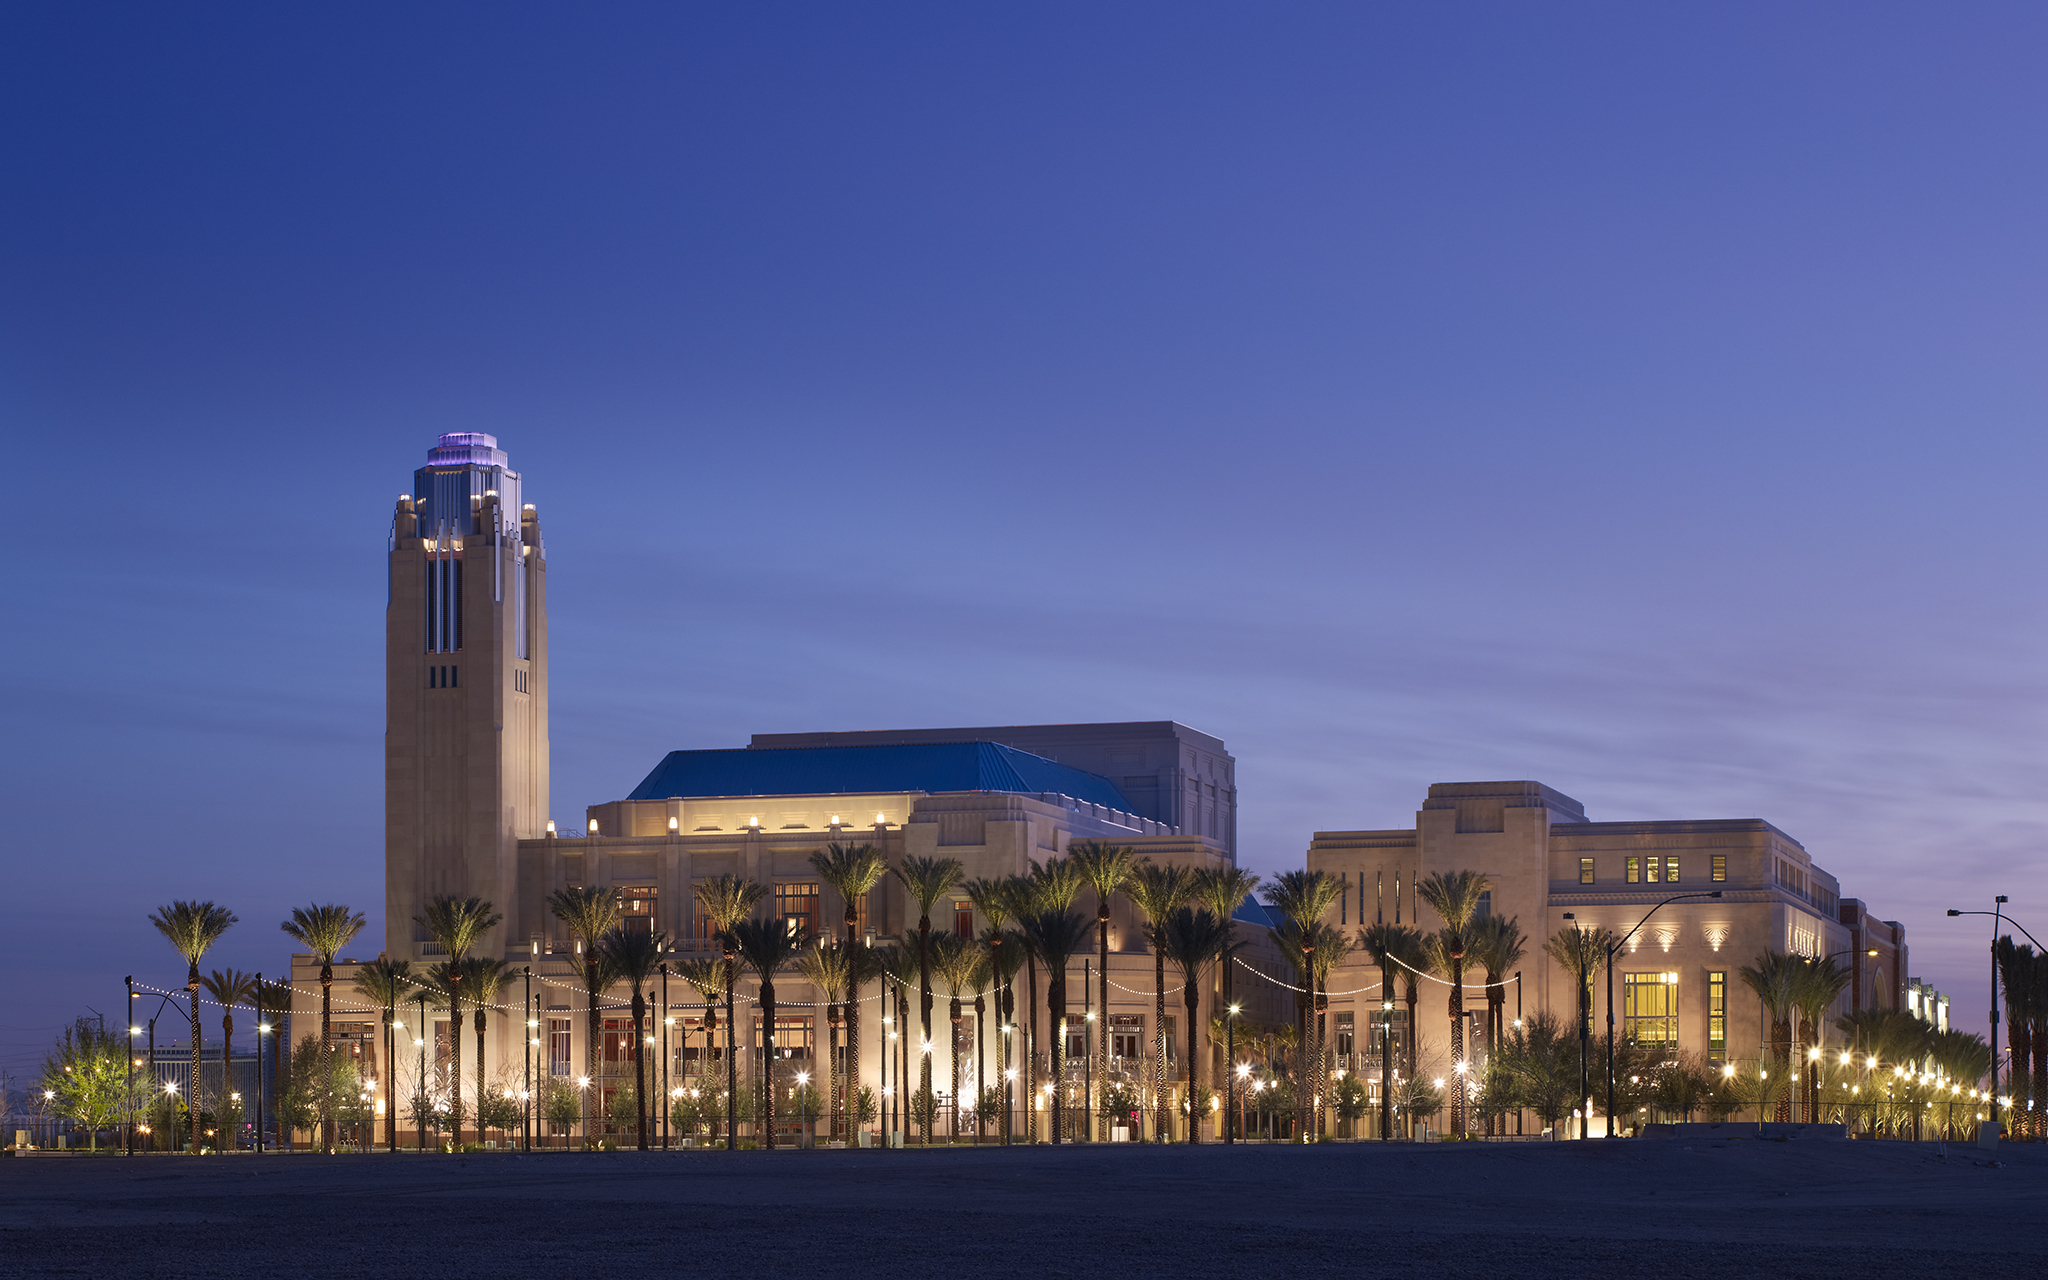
(227, 1062)
(1192, 999)
(480, 1023)
(390, 1075)
(326, 1055)
(1056, 1018)
(768, 1063)
(732, 1069)
(640, 1064)
(1162, 1118)
(852, 1073)
(953, 1127)
(192, 1097)
(1102, 988)
(1031, 1042)
(1458, 1045)
(924, 1021)
(980, 1057)
(1411, 997)
(454, 1062)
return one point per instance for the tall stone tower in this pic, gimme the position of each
(465, 690)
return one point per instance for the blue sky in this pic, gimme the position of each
(1642, 401)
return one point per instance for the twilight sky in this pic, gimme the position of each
(1643, 402)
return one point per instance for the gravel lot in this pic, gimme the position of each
(1721, 1209)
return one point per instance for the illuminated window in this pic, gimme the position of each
(963, 920)
(793, 1035)
(618, 1040)
(1720, 871)
(1655, 871)
(1649, 1009)
(1717, 1014)
(636, 908)
(1671, 869)
(796, 905)
(1635, 870)
(560, 1059)
(1345, 1026)
(1126, 1036)
(1585, 871)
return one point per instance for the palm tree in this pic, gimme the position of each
(2018, 974)
(927, 880)
(728, 900)
(324, 930)
(1455, 895)
(1775, 979)
(853, 871)
(1304, 897)
(1497, 947)
(1387, 944)
(994, 899)
(830, 970)
(193, 928)
(963, 966)
(484, 978)
(1107, 868)
(1054, 937)
(456, 924)
(589, 913)
(228, 987)
(385, 982)
(710, 979)
(766, 947)
(1579, 951)
(1816, 988)
(1223, 890)
(899, 970)
(1194, 939)
(1159, 890)
(634, 955)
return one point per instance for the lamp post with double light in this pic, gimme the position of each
(1612, 948)
(1998, 917)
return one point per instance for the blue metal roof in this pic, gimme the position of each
(824, 771)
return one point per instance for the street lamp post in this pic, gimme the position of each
(1613, 947)
(1230, 1056)
(1585, 1036)
(1386, 1068)
(1998, 917)
(128, 1095)
(526, 1007)
(420, 1081)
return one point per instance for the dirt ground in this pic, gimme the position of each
(1719, 1209)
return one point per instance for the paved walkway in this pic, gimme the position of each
(1723, 1210)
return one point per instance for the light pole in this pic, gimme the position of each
(1230, 1056)
(1613, 947)
(1585, 1035)
(128, 1096)
(1998, 917)
(420, 1080)
(1386, 1068)
(526, 1007)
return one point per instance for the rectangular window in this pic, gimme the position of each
(963, 920)
(1671, 870)
(1397, 897)
(636, 908)
(454, 680)
(1720, 867)
(1585, 871)
(793, 1036)
(559, 1055)
(1379, 914)
(1076, 1038)
(1344, 903)
(1649, 1009)
(618, 1040)
(1635, 870)
(796, 905)
(1346, 1025)
(1655, 871)
(1485, 907)
(1717, 1014)
(1126, 1036)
